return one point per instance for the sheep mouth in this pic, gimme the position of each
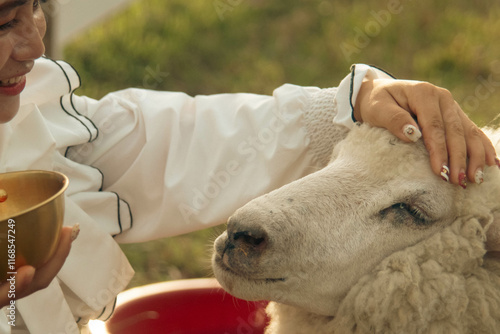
(275, 280)
(221, 265)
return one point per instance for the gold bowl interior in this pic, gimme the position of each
(31, 218)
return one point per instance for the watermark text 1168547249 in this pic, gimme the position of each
(11, 267)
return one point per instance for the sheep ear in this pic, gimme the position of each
(493, 234)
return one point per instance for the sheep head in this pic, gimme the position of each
(309, 242)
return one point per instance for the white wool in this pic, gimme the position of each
(354, 260)
(441, 285)
(444, 284)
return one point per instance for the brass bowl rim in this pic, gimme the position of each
(51, 198)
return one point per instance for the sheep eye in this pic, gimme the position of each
(400, 212)
(412, 210)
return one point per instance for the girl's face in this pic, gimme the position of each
(22, 27)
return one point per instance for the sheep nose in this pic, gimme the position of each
(252, 240)
(249, 238)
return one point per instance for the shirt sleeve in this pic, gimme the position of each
(348, 91)
(185, 163)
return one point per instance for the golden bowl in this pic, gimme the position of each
(31, 218)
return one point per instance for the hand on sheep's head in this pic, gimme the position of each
(449, 135)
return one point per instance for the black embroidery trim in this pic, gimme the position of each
(71, 92)
(102, 177)
(64, 72)
(103, 310)
(73, 105)
(76, 118)
(381, 69)
(112, 311)
(130, 213)
(351, 87)
(79, 114)
(119, 214)
(351, 92)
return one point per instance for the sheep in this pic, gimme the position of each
(372, 243)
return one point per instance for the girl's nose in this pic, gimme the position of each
(28, 39)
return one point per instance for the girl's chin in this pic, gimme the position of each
(8, 108)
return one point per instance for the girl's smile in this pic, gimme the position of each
(13, 86)
(22, 27)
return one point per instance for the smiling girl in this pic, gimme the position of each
(141, 163)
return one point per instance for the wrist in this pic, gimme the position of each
(361, 100)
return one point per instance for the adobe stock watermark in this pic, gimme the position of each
(219, 180)
(224, 6)
(152, 80)
(254, 322)
(485, 88)
(407, 164)
(371, 29)
(154, 77)
(12, 273)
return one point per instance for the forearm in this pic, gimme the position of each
(197, 159)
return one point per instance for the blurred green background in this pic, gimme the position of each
(218, 46)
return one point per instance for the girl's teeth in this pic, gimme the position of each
(10, 81)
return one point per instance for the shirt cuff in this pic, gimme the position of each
(348, 91)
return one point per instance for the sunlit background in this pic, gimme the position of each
(216, 46)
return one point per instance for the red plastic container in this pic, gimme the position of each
(197, 306)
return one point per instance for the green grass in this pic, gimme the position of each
(185, 256)
(205, 47)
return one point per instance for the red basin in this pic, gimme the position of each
(197, 306)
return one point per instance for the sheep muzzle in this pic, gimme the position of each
(243, 247)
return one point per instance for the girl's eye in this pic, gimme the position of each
(36, 3)
(8, 25)
(12, 23)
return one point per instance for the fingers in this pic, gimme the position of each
(458, 149)
(442, 130)
(451, 143)
(399, 122)
(380, 109)
(28, 280)
(22, 280)
(469, 149)
(475, 151)
(45, 274)
(480, 151)
(452, 138)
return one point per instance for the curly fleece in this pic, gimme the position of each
(441, 285)
(447, 283)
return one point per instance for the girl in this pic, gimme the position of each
(145, 164)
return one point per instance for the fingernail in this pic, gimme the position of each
(411, 132)
(479, 176)
(445, 173)
(462, 180)
(75, 231)
(497, 161)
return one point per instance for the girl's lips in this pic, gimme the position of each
(15, 88)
